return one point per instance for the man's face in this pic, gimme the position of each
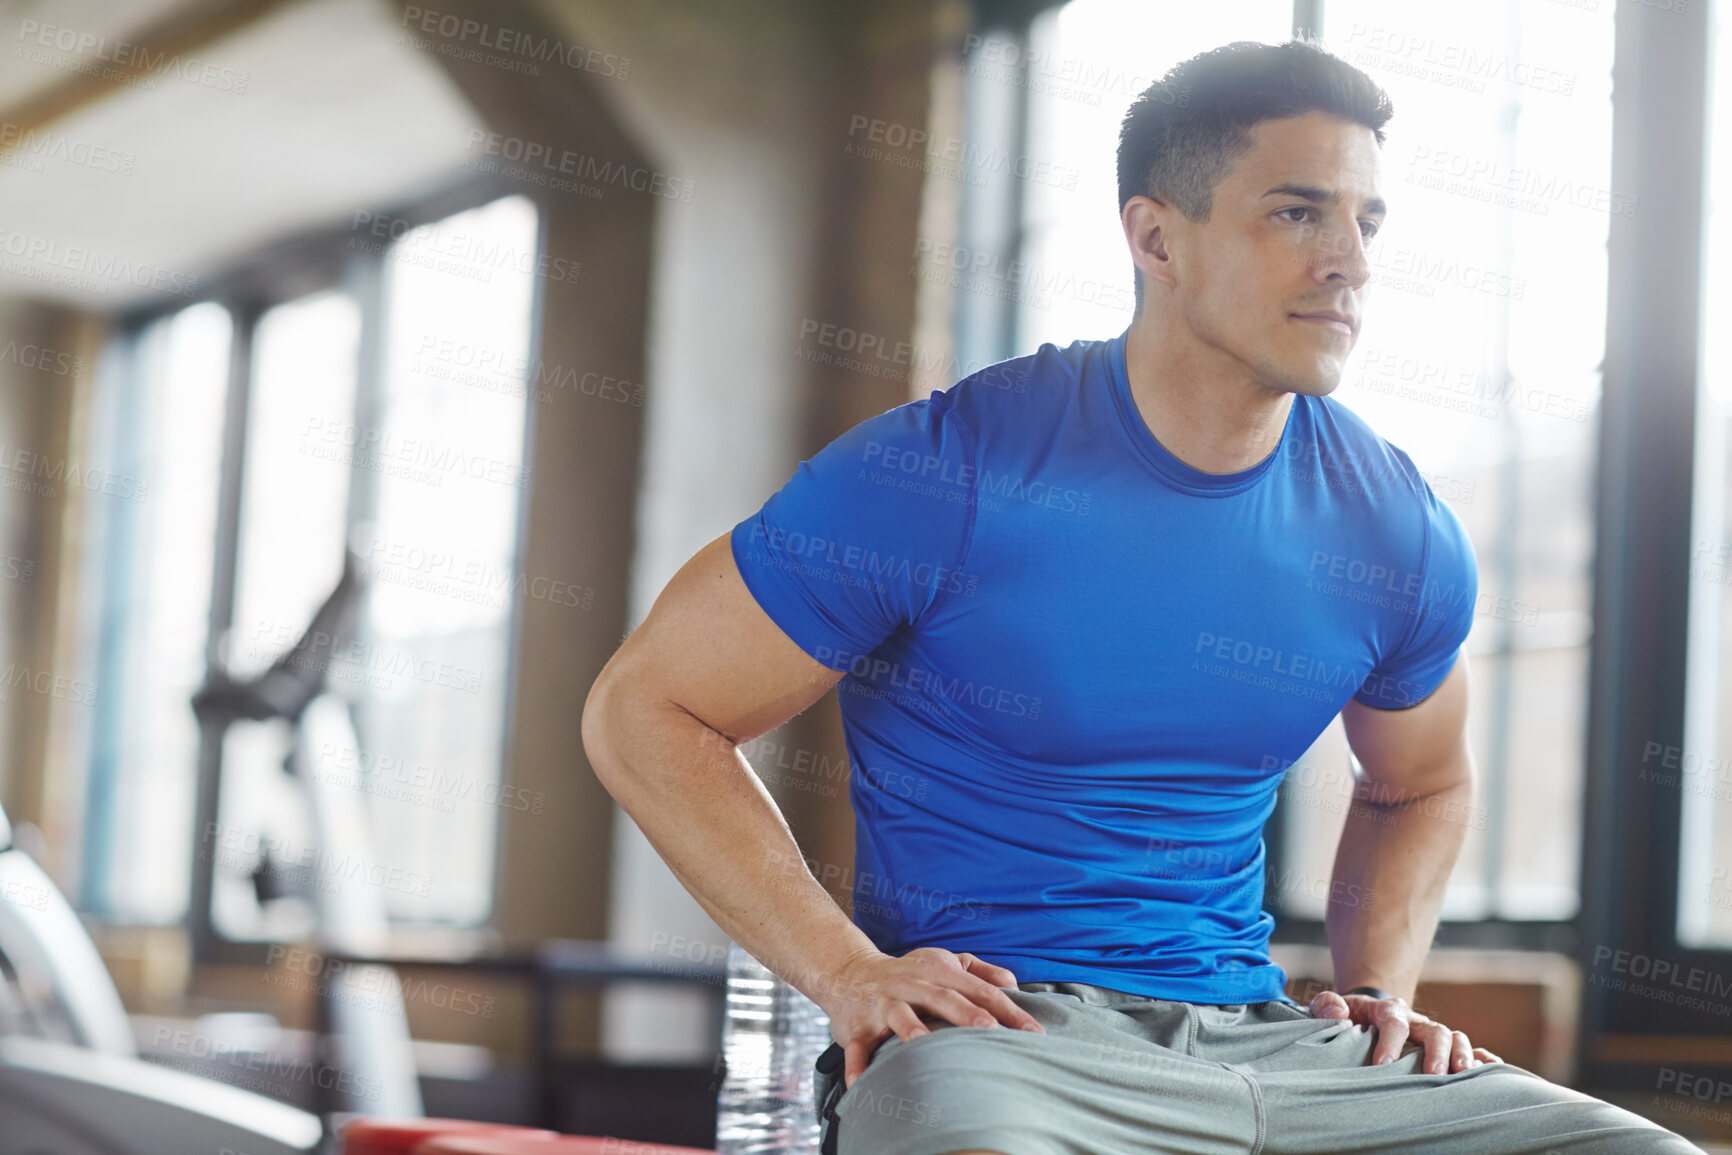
(1284, 242)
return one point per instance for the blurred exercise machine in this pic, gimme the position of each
(363, 1024)
(71, 1081)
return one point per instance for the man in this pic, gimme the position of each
(1087, 604)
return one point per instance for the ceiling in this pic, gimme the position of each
(296, 120)
(21, 21)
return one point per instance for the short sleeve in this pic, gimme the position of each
(1439, 618)
(868, 535)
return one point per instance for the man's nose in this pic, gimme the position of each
(1340, 255)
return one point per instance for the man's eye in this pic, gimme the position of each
(1368, 229)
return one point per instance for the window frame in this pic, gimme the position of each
(309, 261)
(1643, 507)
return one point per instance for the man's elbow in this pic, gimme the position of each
(599, 722)
(1449, 774)
(1455, 770)
(1465, 779)
(626, 722)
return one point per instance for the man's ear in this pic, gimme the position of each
(1148, 225)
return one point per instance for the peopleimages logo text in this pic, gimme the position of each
(810, 548)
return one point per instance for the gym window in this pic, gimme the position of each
(365, 388)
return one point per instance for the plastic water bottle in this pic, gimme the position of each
(771, 1037)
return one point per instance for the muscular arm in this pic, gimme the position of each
(1410, 814)
(706, 671)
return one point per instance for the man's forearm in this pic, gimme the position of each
(1394, 858)
(696, 799)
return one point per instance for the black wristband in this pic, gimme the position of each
(1374, 992)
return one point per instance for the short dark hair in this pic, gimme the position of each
(1184, 131)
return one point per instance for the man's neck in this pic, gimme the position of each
(1200, 405)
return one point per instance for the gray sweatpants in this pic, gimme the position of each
(1121, 1073)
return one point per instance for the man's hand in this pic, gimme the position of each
(1446, 1051)
(874, 995)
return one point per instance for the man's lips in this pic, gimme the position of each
(1335, 321)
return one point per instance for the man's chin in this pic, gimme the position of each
(1312, 380)
(1321, 386)
(1307, 371)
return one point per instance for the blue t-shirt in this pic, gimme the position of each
(1077, 668)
